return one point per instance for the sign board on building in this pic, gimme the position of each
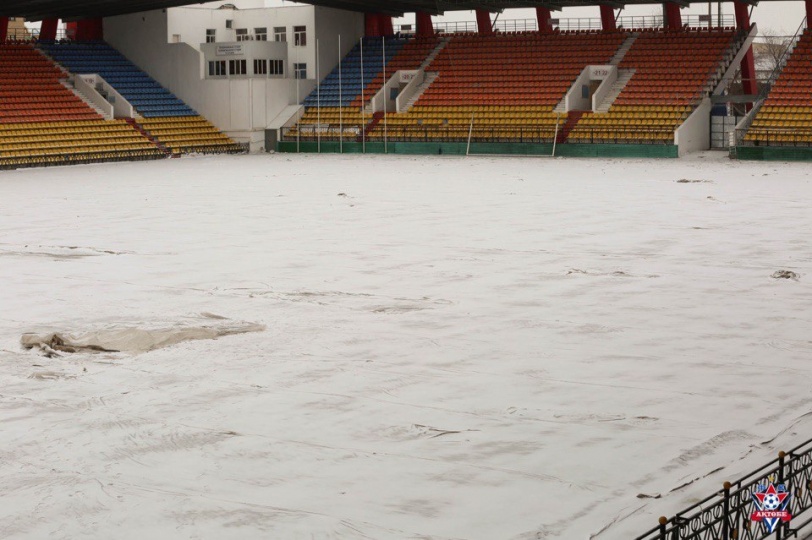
(599, 73)
(407, 76)
(233, 49)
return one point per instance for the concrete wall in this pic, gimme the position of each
(694, 134)
(241, 106)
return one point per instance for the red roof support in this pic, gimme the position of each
(3, 28)
(673, 17)
(608, 18)
(90, 30)
(426, 28)
(47, 31)
(749, 81)
(545, 23)
(483, 22)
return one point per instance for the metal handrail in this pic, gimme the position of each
(724, 514)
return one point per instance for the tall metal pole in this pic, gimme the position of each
(363, 103)
(318, 97)
(340, 101)
(385, 102)
(298, 98)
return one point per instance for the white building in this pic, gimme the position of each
(243, 66)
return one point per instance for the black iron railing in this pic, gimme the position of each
(727, 514)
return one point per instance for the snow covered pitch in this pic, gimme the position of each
(482, 348)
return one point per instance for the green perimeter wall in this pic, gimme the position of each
(459, 149)
(773, 153)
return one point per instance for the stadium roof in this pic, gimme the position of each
(80, 9)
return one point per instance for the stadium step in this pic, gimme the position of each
(621, 52)
(437, 50)
(623, 78)
(431, 76)
(84, 98)
(146, 134)
(565, 130)
(376, 119)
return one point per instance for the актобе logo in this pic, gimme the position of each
(771, 503)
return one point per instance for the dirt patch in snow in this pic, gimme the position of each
(135, 338)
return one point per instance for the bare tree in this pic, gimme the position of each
(768, 49)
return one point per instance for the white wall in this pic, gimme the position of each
(240, 105)
(694, 134)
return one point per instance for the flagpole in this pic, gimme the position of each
(318, 97)
(385, 103)
(340, 101)
(363, 103)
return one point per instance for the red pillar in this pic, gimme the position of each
(673, 17)
(808, 10)
(749, 81)
(47, 31)
(608, 18)
(385, 24)
(70, 30)
(483, 22)
(545, 24)
(426, 28)
(3, 29)
(90, 30)
(372, 25)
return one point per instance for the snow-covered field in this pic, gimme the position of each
(480, 348)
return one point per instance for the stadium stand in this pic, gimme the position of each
(148, 97)
(336, 103)
(164, 118)
(410, 57)
(505, 85)
(31, 89)
(673, 69)
(187, 134)
(42, 122)
(785, 117)
(343, 85)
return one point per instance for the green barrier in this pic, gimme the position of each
(480, 149)
(772, 153)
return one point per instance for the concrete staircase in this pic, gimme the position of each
(431, 76)
(621, 52)
(565, 130)
(153, 140)
(623, 77)
(85, 99)
(376, 119)
(437, 50)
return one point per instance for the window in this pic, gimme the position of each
(300, 71)
(299, 36)
(237, 67)
(260, 67)
(217, 68)
(261, 34)
(277, 67)
(280, 33)
(211, 35)
(242, 34)
(229, 23)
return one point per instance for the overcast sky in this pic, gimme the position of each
(783, 17)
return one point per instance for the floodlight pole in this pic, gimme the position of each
(385, 102)
(340, 101)
(363, 103)
(318, 98)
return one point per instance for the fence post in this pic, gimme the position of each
(663, 522)
(781, 526)
(726, 522)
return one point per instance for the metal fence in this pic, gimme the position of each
(727, 514)
(575, 23)
(774, 137)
